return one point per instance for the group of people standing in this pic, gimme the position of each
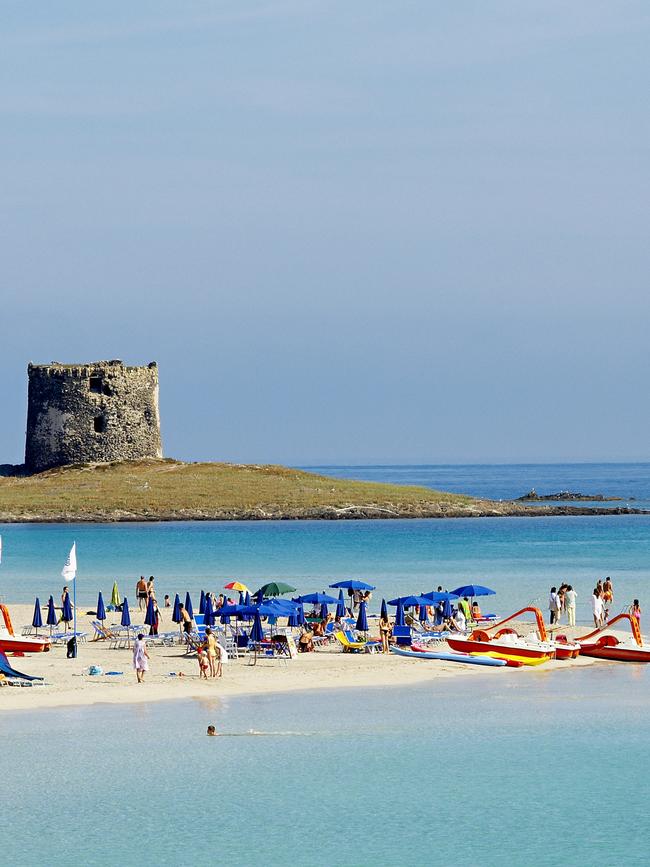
(562, 600)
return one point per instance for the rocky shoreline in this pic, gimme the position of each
(479, 509)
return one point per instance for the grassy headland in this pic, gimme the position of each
(169, 490)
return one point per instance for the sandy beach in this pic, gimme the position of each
(172, 674)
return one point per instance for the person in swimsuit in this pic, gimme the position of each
(384, 633)
(141, 593)
(213, 652)
(186, 620)
(212, 732)
(150, 588)
(203, 663)
(635, 611)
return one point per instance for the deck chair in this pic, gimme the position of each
(347, 645)
(402, 636)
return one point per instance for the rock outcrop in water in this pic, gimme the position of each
(533, 496)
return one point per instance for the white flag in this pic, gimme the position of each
(70, 569)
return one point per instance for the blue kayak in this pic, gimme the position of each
(448, 657)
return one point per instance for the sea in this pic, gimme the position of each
(545, 767)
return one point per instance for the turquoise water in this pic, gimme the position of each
(519, 557)
(510, 768)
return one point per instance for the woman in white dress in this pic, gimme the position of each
(140, 658)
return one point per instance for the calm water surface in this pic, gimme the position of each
(507, 768)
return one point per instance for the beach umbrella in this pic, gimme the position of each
(241, 597)
(101, 610)
(188, 604)
(384, 610)
(323, 611)
(150, 616)
(126, 616)
(176, 610)
(410, 601)
(52, 618)
(293, 617)
(362, 620)
(340, 605)
(317, 599)
(352, 584)
(37, 620)
(473, 590)
(257, 633)
(440, 595)
(447, 611)
(67, 614)
(115, 596)
(247, 598)
(275, 588)
(399, 614)
(202, 603)
(236, 585)
(423, 614)
(208, 613)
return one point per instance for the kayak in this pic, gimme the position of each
(415, 653)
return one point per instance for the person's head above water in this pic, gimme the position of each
(212, 731)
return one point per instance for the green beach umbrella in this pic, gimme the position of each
(115, 595)
(275, 588)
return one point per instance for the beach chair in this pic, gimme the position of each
(347, 645)
(402, 636)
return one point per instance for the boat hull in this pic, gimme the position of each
(615, 653)
(448, 657)
(24, 645)
(521, 654)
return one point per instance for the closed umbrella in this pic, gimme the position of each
(101, 609)
(176, 611)
(257, 633)
(340, 605)
(301, 614)
(424, 616)
(323, 611)
(399, 614)
(241, 597)
(150, 616)
(126, 619)
(202, 603)
(67, 616)
(208, 613)
(384, 610)
(52, 618)
(362, 619)
(115, 596)
(188, 604)
(37, 620)
(247, 598)
(293, 617)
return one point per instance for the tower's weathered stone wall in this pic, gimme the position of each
(89, 413)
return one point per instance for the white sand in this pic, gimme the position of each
(69, 684)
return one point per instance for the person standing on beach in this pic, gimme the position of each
(212, 651)
(384, 633)
(141, 593)
(150, 588)
(186, 620)
(608, 596)
(553, 606)
(597, 607)
(140, 658)
(570, 605)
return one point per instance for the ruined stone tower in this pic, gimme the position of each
(85, 413)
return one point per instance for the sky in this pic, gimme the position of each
(348, 232)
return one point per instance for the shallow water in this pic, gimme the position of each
(507, 768)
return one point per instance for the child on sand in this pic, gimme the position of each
(203, 663)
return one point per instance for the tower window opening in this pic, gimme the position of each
(96, 384)
(99, 423)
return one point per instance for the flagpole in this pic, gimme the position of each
(74, 608)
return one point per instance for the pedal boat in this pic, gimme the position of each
(610, 647)
(10, 643)
(560, 646)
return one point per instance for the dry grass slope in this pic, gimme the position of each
(168, 490)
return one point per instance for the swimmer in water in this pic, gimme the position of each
(212, 732)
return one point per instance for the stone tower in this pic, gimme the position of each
(87, 413)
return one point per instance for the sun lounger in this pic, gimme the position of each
(402, 636)
(11, 673)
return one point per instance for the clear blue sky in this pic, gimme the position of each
(347, 231)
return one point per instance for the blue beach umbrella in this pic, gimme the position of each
(150, 616)
(340, 605)
(447, 611)
(52, 619)
(399, 614)
(241, 597)
(101, 608)
(352, 584)
(247, 599)
(202, 603)
(362, 620)
(67, 616)
(293, 618)
(259, 596)
(410, 601)
(323, 611)
(176, 611)
(317, 599)
(208, 614)
(126, 616)
(384, 610)
(473, 590)
(301, 614)
(423, 614)
(257, 633)
(37, 620)
(440, 596)
(188, 604)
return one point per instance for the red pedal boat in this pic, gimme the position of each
(610, 647)
(10, 643)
